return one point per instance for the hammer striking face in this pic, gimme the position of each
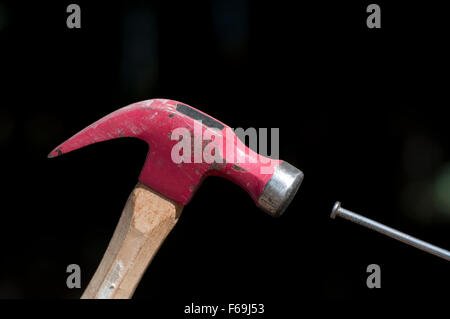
(271, 183)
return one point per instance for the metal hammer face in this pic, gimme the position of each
(271, 183)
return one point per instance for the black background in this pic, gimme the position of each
(362, 112)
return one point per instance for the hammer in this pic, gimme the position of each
(165, 185)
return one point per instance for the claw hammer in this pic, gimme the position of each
(166, 185)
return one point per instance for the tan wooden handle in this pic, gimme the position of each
(147, 219)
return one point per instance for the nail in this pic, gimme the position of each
(388, 231)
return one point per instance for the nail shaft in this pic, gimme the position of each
(388, 231)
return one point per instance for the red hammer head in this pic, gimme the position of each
(172, 130)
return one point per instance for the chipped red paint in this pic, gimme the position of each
(153, 121)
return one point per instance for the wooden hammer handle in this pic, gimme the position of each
(147, 219)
